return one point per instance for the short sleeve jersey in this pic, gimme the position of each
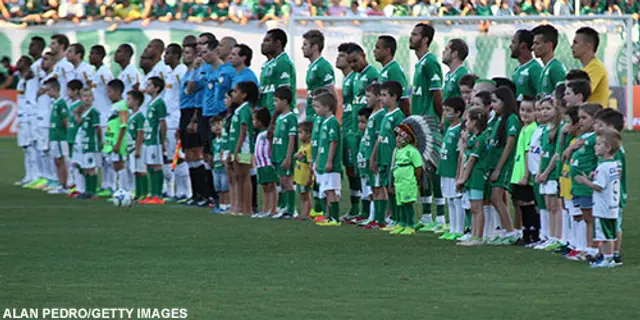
(315, 137)
(479, 171)
(347, 102)
(265, 95)
(216, 151)
(156, 112)
(319, 74)
(522, 147)
(552, 74)
(241, 117)
(135, 125)
(606, 203)
(448, 163)
(329, 132)
(112, 132)
(393, 71)
(407, 159)
(387, 136)
(368, 140)
(583, 160)
(427, 78)
(59, 112)
(72, 125)
(621, 157)
(286, 127)
(130, 77)
(283, 73)
(361, 81)
(548, 149)
(302, 169)
(88, 133)
(599, 79)
(526, 77)
(512, 129)
(534, 152)
(451, 79)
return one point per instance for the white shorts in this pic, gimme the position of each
(448, 187)
(24, 134)
(136, 165)
(114, 157)
(42, 138)
(549, 188)
(153, 154)
(89, 160)
(58, 149)
(76, 155)
(329, 182)
(573, 210)
(366, 191)
(466, 204)
(171, 143)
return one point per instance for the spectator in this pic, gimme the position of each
(528, 9)
(337, 9)
(613, 9)
(220, 12)
(398, 8)
(239, 13)
(195, 11)
(319, 9)
(93, 8)
(425, 8)
(162, 11)
(71, 10)
(562, 8)
(502, 8)
(482, 8)
(631, 7)
(126, 11)
(373, 9)
(260, 9)
(449, 9)
(10, 79)
(280, 10)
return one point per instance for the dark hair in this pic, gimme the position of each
(611, 117)
(189, 40)
(78, 49)
(157, 43)
(591, 108)
(459, 46)
(426, 31)
(306, 126)
(284, 93)
(577, 74)
(365, 112)
(250, 89)
(548, 32)
(207, 35)
(582, 87)
(156, 81)
(74, 84)
(279, 35)
(525, 36)
(468, 80)
(53, 82)
(61, 39)
(480, 115)
(353, 47)
(485, 96)
(246, 52)
(394, 88)
(558, 93)
(174, 48)
(457, 103)
(509, 107)
(344, 46)
(137, 96)
(315, 37)
(100, 50)
(389, 42)
(529, 98)
(127, 48)
(374, 88)
(591, 35)
(27, 60)
(327, 99)
(118, 85)
(321, 90)
(572, 113)
(212, 44)
(504, 82)
(215, 119)
(39, 41)
(263, 116)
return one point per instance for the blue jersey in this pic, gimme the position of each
(245, 75)
(224, 77)
(199, 77)
(187, 100)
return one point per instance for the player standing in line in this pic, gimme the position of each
(320, 72)
(155, 133)
(545, 41)
(88, 141)
(384, 52)
(135, 144)
(129, 74)
(240, 59)
(453, 56)
(41, 126)
(62, 68)
(74, 178)
(466, 84)
(27, 91)
(584, 47)
(426, 99)
(82, 71)
(285, 140)
(115, 137)
(526, 75)
(58, 148)
(281, 70)
(153, 51)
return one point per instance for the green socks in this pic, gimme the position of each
(366, 207)
(334, 210)
(290, 201)
(142, 186)
(410, 214)
(281, 200)
(156, 180)
(379, 210)
(467, 219)
(91, 184)
(393, 206)
(439, 208)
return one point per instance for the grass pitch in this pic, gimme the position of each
(59, 252)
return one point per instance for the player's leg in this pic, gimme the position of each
(168, 186)
(434, 182)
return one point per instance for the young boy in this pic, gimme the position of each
(58, 148)
(155, 131)
(577, 92)
(448, 167)
(382, 153)
(220, 177)
(284, 144)
(302, 174)
(606, 195)
(267, 176)
(366, 216)
(88, 141)
(115, 144)
(74, 177)
(318, 210)
(135, 141)
(329, 162)
(407, 168)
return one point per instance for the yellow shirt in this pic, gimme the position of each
(599, 82)
(565, 179)
(302, 170)
(131, 12)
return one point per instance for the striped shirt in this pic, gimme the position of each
(262, 150)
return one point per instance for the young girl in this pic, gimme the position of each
(502, 143)
(225, 150)
(474, 174)
(267, 176)
(302, 173)
(240, 143)
(547, 176)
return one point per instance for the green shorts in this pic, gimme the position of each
(504, 179)
(430, 186)
(406, 193)
(267, 174)
(281, 172)
(302, 189)
(350, 142)
(605, 229)
(487, 191)
(380, 179)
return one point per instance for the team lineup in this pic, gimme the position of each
(198, 127)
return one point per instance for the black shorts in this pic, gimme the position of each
(204, 128)
(522, 193)
(188, 140)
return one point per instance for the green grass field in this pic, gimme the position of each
(59, 252)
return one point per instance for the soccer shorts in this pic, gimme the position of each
(115, 157)
(58, 149)
(605, 229)
(89, 160)
(475, 194)
(136, 165)
(221, 180)
(522, 193)
(466, 203)
(380, 179)
(42, 138)
(583, 202)
(171, 143)
(153, 155)
(406, 193)
(76, 154)
(540, 203)
(549, 188)
(189, 140)
(448, 187)
(267, 174)
(281, 172)
(24, 134)
(571, 208)
(365, 191)
(350, 142)
(302, 189)
(504, 179)
(204, 128)
(331, 181)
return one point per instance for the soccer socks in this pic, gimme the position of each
(409, 214)
(393, 206)
(123, 179)
(426, 209)
(460, 215)
(81, 184)
(452, 215)
(366, 205)
(182, 180)
(566, 226)
(281, 201)
(530, 223)
(197, 173)
(355, 186)
(92, 184)
(156, 179)
(440, 210)
(142, 186)
(334, 210)
(544, 223)
(290, 203)
(380, 210)
(168, 180)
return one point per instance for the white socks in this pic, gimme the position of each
(108, 175)
(80, 183)
(182, 180)
(372, 211)
(566, 226)
(456, 215)
(168, 185)
(123, 180)
(452, 215)
(544, 223)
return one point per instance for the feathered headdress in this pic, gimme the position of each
(427, 138)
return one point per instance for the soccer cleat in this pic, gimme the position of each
(182, 199)
(430, 227)
(103, 193)
(22, 182)
(617, 259)
(32, 184)
(50, 186)
(286, 216)
(314, 213)
(397, 230)
(373, 225)
(455, 236)
(156, 200)
(564, 250)
(356, 220)
(520, 243)
(464, 237)
(509, 240)
(389, 227)
(73, 194)
(348, 217)
(441, 228)
(364, 222)
(445, 236)
(603, 263)
(543, 244)
(59, 190)
(329, 223)
(407, 231)
(574, 255)
(146, 200)
(471, 242)
(319, 219)
(41, 186)
(555, 245)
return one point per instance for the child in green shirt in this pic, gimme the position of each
(135, 140)
(220, 180)
(58, 147)
(115, 146)
(88, 141)
(318, 209)
(284, 143)
(155, 133)
(73, 91)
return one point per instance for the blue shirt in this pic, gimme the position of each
(199, 78)
(187, 100)
(218, 83)
(245, 75)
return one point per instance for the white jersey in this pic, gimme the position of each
(83, 72)
(101, 101)
(36, 69)
(27, 98)
(130, 77)
(606, 203)
(159, 70)
(63, 70)
(535, 152)
(172, 95)
(43, 105)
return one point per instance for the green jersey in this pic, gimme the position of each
(548, 149)
(216, 151)
(286, 126)
(561, 146)
(427, 78)
(88, 131)
(478, 176)
(265, 99)
(482, 11)
(407, 159)
(387, 136)
(156, 112)
(368, 140)
(552, 74)
(315, 137)
(112, 133)
(583, 161)
(241, 117)
(283, 73)
(72, 125)
(329, 132)
(392, 71)
(511, 129)
(319, 74)
(135, 126)
(361, 81)
(347, 102)
(451, 79)
(526, 77)
(59, 113)
(448, 163)
(522, 146)
(621, 157)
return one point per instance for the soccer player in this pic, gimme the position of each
(155, 133)
(41, 126)
(240, 59)
(58, 147)
(115, 137)
(129, 74)
(584, 47)
(62, 68)
(319, 73)
(89, 139)
(27, 91)
(453, 56)
(282, 71)
(302, 172)
(526, 75)
(267, 176)
(384, 52)
(73, 90)
(153, 58)
(284, 143)
(545, 41)
(135, 144)
(82, 71)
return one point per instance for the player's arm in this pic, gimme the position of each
(99, 133)
(286, 164)
(139, 141)
(163, 134)
(466, 172)
(333, 146)
(243, 135)
(506, 153)
(593, 185)
(194, 81)
(373, 166)
(437, 102)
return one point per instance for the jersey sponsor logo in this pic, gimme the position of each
(328, 77)
(284, 75)
(417, 91)
(435, 78)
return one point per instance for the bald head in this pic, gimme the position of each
(155, 48)
(226, 45)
